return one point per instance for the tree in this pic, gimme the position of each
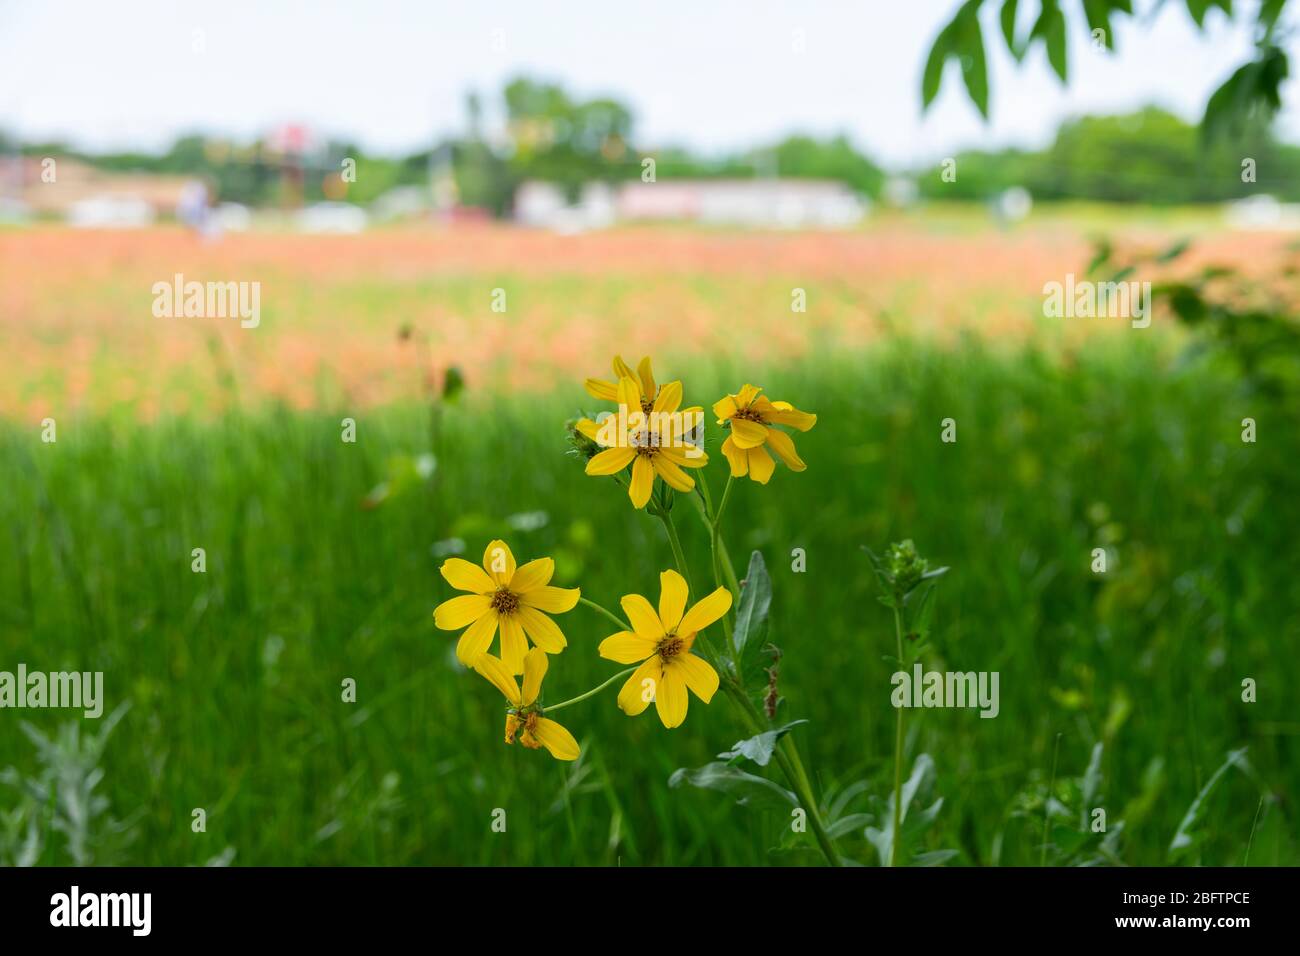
(1251, 92)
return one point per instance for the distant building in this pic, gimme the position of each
(764, 203)
(87, 194)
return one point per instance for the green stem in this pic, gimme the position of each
(786, 755)
(623, 625)
(676, 544)
(591, 693)
(898, 748)
(793, 770)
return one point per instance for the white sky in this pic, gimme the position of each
(712, 75)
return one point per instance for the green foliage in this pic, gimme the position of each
(1254, 89)
(1252, 325)
(1122, 441)
(1149, 157)
(917, 789)
(1191, 829)
(61, 817)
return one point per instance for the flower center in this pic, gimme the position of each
(505, 602)
(749, 415)
(646, 406)
(645, 443)
(670, 646)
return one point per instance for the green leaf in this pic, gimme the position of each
(974, 69)
(748, 789)
(920, 781)
(1188, 836)
(1008, 18)
(1091, 785)
(934, 64)
(1097, 13)
(1101, 255)
(755, 600)
(1174, 251)
(760, 747)
(1050, 28)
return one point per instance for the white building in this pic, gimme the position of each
(763, 203)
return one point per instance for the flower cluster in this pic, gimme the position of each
(648, 442)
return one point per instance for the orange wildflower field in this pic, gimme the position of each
(372, 318)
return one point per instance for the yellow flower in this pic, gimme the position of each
(644, 379)
(656, 442)
(501, 594)
(751, 416)
(525, 715)
(663, 641)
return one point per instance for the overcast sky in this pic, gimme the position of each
(711, 75)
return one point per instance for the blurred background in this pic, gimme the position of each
(456, 214)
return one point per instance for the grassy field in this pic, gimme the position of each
(232, 677)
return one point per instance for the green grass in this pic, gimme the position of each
(233, 676)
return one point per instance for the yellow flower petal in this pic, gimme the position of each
(672, 473)
(637, 693)
(783, 445)
(611, 461)
(477, 638)
(672, 598)
(513, 643)
(680, 457)
(647, 376)
(605, 391)
(512, 727)
(705, 612)
(499, 562)
(669, 399)
(643, 481)
(626, 647)
(787, 414)
(551, 599)
(698, 673)
(588, 428)
(670, 697)
(747, 434)
(535, 664)
(737, 457)
(532, 575)
(645, 622)
(724, 408)
(466, 576)
(629, 394)
(501, 678)
(746, 395)
(556, 739)
(453, 614)
(541, 630)
(621, 368)
(761, 464)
